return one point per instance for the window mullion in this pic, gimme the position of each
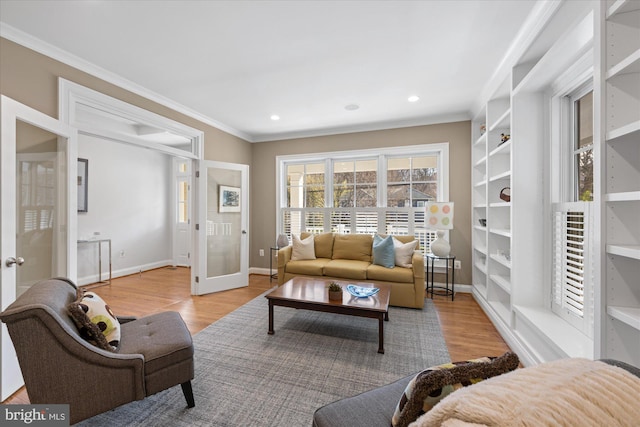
(328, 184)
(382, 181)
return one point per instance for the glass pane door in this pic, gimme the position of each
(38, 221)
(223, 238)
(41, 205)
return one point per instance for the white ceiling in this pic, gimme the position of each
(236, 63)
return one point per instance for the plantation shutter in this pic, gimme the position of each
(366, 222)
(572, 265)
(341, 221)
(397, 222)
(314, 222)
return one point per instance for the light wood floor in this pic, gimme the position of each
(467, 331)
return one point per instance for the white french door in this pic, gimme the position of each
(182, 230)
(38, 223)
(222, 227)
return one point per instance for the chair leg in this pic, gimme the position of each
(188, 394)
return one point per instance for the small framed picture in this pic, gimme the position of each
(229, 199)
(83, 187)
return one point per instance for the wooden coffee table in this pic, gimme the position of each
(309, 293)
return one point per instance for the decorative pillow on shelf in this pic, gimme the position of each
(303, 249)
(383, 251)
(404, 252)
(95, 321)
(432, 385)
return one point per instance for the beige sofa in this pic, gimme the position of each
(348, 257)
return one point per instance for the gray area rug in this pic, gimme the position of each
(245, 377)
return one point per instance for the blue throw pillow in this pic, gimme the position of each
(384, 252)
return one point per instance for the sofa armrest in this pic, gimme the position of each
(284, 256)
(417, 264)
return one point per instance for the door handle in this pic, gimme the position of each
(244, 231)
(11, 260)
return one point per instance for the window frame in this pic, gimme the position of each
(562, 183)
(575, 151)
(441, 150)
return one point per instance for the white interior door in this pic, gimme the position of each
(38, 222)
(222, 227)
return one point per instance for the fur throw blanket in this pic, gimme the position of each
(567, 392)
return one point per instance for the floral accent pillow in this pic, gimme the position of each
(432, 385)
(95, 321)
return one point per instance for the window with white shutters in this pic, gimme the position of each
(366, 191)
(572, 264)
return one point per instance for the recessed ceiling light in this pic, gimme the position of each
(351, 107)
(413, 98)
(275, 117)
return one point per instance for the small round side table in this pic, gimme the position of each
(450, 262)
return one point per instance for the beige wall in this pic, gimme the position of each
(32, 79)
(263, 179)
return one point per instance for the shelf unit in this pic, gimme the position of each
(621, 186)
(513, 282)
(492, 169)
(479, 202)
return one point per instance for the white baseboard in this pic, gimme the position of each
(93, 278)
(258, 270)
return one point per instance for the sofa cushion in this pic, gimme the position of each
(323, 244)
(307, 267)
(352, 246)
(95, 321)
(383, 251)
(347, 269)
(404, 252)
(162, 338)
(303, 248)
(373, 408)
(398, 274)
(433, 384)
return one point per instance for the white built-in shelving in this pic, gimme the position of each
(512, 273)
(621, 186)
(492, 173)
(479, 203)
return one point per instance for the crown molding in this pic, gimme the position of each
(366, 127)
(20, 37)
(538, 18)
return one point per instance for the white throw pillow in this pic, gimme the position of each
(303, 249)
(404, 252)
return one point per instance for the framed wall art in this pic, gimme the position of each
(229, 199)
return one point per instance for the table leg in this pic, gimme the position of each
(381, 334)
(386, 316)
(453, 279)
(271, 331)
(433, 267)
(446, 283)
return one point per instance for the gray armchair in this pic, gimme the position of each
(58, 366)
